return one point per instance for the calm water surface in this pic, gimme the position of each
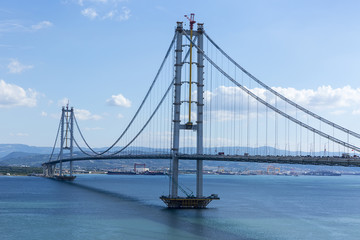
(128, 207)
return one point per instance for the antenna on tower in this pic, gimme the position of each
(191, 19)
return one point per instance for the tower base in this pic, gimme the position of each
(65, 178)
(188, 202)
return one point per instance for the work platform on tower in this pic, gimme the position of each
(188, 202)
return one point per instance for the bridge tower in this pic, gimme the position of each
(189, 126)
(66, 136)
(173, 200)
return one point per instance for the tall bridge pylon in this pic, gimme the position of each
(66, 128)
(189, 126)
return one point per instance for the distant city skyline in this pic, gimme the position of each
(101, 56)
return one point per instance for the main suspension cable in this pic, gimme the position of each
(145, 98)
(57, 135)
(77, 125)
(147, 122)
(281, 96)
(345, 144)
(82, 149)
(142, 104)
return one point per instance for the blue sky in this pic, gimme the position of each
(103, 54)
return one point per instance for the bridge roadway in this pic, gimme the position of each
(305, 160)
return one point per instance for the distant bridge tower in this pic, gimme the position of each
(189, 126)
(66, 136)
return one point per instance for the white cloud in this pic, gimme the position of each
(81, 2)
(324, 97)
(16, 26)
(336, 101)
(113, 2)
(83, 114)
(16, 67)
(44, 114)
(119, 100)
(41, 25)
(125, 14)
(63, 102)
(10, 26)
(13, 96)
(120, 116)
(110, 14)
(356, 112)
(104, 9)
(89, 12)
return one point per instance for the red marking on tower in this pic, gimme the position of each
(191, 19)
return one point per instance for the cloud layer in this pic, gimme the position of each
(230, 102)
(41, 25)
(104, 9)
(16, 67)
(14, 96)
(16, 26)
(89, 12)
(83, 114)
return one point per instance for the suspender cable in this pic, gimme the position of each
(77, 125)
(283, 97)
(83, 151)
(147, 122)
(345, 144)
(142, 103)
(57, 135)
(145, 98)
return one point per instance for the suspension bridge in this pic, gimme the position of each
(207, 107)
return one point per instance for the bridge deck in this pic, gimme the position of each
(306, 160)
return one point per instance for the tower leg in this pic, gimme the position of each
(200, 105)
(176, 120)
(45, 171)
(60, 171)
(174, 177)
(199, 178)
(71, 168)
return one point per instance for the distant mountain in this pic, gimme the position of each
(24, 155)
(24, 159)
(6, 149)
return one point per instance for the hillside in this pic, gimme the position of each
(6, 149)
(23, 155)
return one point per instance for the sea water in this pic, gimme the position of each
(128, 207)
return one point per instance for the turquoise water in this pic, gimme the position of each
(128, 207)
